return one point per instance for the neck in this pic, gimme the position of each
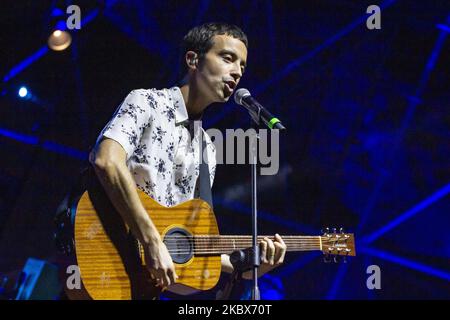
(227, 244)
(195, 102)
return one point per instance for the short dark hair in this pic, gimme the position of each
(199, 39)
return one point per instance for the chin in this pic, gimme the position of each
(226, 97)
(221, 97)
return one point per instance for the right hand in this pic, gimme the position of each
(159, 263)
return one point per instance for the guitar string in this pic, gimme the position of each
(244, 239)
(240, 242)
(201, 238)
(224, 247)
(237, 244)
(218, 237)
(214, 244)
(207, 241)
(218, 251)
(240, 237)
(228, 247)
(224, 250)
(207, 245)
(249, 235)
(231, 249)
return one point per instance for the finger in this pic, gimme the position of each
(160, 277)
(279, 255)
(282, 254)
(172, 276)
(158, 282)
(263, 254)
(157, 277)
(270, 251)
(279, 239)
(166, 278)
(154, 277)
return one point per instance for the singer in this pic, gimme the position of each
(147, 144)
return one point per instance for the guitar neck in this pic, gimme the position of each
(226, 244)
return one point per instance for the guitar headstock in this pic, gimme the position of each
(337, 244)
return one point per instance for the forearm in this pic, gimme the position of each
(120, 187)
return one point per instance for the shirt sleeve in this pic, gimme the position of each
(129, 121)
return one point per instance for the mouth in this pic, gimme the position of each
(230, 86)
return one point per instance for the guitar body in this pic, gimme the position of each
(109, 259)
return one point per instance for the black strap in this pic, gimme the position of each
(64, 219)
(203, 184)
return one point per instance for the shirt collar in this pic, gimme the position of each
(181, 114)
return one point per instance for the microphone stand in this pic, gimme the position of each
(255, 124)
(253, 255)
(248, 259)
(255, 294)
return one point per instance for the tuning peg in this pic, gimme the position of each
(334, 230)
(335, 259)
(325, 231)
(344, 259)
(341, 230)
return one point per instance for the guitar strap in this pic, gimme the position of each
(203, 183)
(64, 219)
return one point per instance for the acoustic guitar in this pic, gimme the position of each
(111, 260)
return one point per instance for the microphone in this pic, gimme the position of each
(243, 97)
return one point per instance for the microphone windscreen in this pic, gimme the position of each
(239, 94)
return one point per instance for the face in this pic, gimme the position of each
(221, 69)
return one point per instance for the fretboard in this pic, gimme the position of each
(226, 244)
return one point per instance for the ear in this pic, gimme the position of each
(191, 59)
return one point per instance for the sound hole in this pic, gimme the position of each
(180, 244)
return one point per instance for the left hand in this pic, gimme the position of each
(272, 252)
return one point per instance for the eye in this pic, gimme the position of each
(228, 58)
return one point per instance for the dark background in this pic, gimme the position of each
(366, 147)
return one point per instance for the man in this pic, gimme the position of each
(147, 144)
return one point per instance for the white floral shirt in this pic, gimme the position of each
(151, 126)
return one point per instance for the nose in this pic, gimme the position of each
(236, 72)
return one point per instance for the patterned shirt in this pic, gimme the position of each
(151, 126)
